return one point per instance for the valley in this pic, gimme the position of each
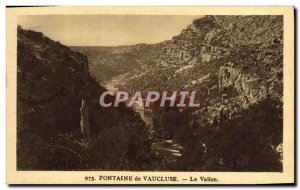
(234, 63)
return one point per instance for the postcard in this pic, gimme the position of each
(150, 95)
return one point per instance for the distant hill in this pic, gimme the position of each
(109, 62)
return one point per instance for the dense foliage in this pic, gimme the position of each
(248, 141)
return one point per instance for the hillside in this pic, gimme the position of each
(235, 63)
(246, 46)
(250, 44)
(109, 62)
(60, 124)
(237, 57)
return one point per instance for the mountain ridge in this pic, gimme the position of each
(228, 60)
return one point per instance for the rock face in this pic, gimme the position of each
(241, 55)
(232, 80)
(60, 125)
(239, 52)
(235, 64)
(52, 81)
(85, 122)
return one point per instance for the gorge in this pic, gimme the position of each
(233, 63)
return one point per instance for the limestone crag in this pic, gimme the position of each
(60, 124)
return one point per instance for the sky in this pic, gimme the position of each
(106, 30)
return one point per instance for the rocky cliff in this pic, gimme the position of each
(241, 53)
(231, 61)
(52, 82)
(60, 124)
(235, 63)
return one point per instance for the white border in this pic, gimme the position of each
(101, 3)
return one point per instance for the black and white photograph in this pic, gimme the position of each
(172, 93)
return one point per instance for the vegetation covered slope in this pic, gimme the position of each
(235, 63)
(52, 84)
(109, 62)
